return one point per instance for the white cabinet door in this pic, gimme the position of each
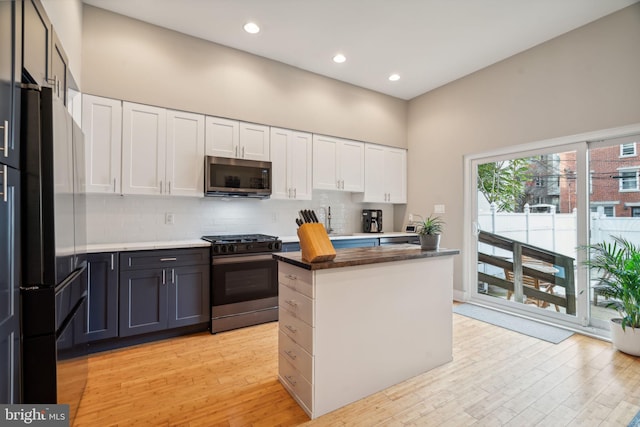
(279, 163)
(185, 154)
(102, 127)
(325, 168)
(351, 166)
(291, 164)
(385, 175)
(338, 164)
(144, 132)
(395, 173)
(300, 155)
(222, 136)
(254, 142)
(374, 185)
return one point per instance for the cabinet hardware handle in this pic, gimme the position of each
(338, 184)
(292, 277)
(291, 380)
(160, 187)
(169, 187)
(291, 328)
(235, 151)
(114, 185)
(173, 275)
(168, 259)
(5, 178)
(291, 302)
(112, 264)
(164, 276)
(5, 145)
(291, 354)
(295, 193)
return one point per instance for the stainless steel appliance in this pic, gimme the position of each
(244, 280)
(54, 283)
(227, 177)
(372, 221)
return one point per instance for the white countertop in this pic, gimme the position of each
(292, 239)
(140, 246)
(199, 243)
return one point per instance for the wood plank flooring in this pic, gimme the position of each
(497, 377)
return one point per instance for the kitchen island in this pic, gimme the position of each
(369, 319)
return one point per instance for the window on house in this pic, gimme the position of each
(628, 150)
(606, 210)
(635, 212)
(539, 181)
(628, 180)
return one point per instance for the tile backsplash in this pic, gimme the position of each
(126, 219)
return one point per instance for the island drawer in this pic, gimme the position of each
(296, 329)
(296, 278)
(297, 303)
(296, 355)
(295, 382)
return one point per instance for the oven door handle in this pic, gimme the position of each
(239, 259)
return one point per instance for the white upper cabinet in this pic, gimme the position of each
(254, 142)
(385, 175)
(162, 151)
(240, 140)
(144, 149)
(291, 154)
(338, 164)
(185, 154)
(102, 126)
(223, 137)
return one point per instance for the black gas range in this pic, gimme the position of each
(243, 243)
(244, 280)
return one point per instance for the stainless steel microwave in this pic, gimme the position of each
(226, 177)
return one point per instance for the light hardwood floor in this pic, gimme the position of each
(497, 377)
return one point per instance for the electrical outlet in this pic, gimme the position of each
(410, 217)
(169, 218)
(439, 209)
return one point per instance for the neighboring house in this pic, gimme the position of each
(614, 181)
(614, 186)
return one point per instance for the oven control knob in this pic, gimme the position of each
(249, 246)
(223, 249)
(232, 248)
(274, 246)
(216, 249)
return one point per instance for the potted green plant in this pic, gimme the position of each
(619, 265)
(429, 232)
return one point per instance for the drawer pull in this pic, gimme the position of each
(292, 277)
(291, 354)
(291, 328)
(290, 379)
(168, 259)
(291, 302)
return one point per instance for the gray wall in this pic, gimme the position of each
(127, 59)
(585, 80)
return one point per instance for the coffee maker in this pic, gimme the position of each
(372, 221)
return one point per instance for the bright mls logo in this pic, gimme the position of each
(37, 415)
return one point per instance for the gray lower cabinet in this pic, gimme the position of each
(102, 316)
(163, 289)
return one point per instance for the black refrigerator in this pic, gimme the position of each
(53, 287)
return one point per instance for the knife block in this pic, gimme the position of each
(314, 243)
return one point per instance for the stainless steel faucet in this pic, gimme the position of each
(327, 219)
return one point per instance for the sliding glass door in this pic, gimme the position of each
(534, 211)
(527, 232)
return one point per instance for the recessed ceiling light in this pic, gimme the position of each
(339, 58)
(394, 77)
(251, 28)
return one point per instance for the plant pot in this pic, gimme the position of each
(430, 242)
(627, 341)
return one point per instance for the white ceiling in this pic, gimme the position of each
(428, 42)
